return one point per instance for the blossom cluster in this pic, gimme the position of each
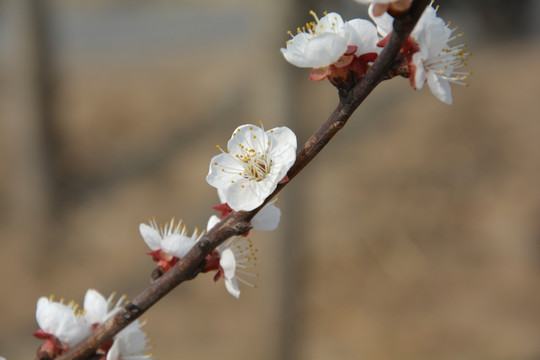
(332, 46)
(257, 162)
(63, 325)
(335, 48)
(245, 175)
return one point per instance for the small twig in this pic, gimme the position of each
(238, 223)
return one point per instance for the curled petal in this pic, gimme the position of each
(96, 308)
(151, 236)
(267, 219)
(363, 34)
(440, 88)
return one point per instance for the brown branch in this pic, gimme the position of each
(238, 223)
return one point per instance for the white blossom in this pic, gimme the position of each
(256, 161)
(130, 343)
(435, 61)
(63, 321)
(318, 44)
(236, 256)
(171, 238)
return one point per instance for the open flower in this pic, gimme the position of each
(437, 61)
(130, 343)
(429, 56)
(256, 161)
(62, 326)
(168, 242)
(333, 47)
(235, 256)
(318, 44)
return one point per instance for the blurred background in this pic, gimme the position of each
(414, 235)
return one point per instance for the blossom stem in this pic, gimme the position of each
(237, 223)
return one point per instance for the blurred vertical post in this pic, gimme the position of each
(295, 252)
(27, 122)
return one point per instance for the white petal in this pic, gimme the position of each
(267, 219)
(227, 263)
(420, 74)
(96, 308)
(114, 351)
(223, 169)
(324, 46)
(331, 22)
(131, 341)
(247, 195)
(440, 88)
(177, 245)
(384, 22)
(309, 51)
(151, 236)
(283, 146)
(221, 196)
(250, 136)
(363, 34)
(427, 17)
(232, 287)
(282, 137)
(325, 49)
(212, 222)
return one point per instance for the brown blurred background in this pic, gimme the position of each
(414, 235)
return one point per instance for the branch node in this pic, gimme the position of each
(204, 244)
(156, 273)
(241, 227)
(130, 311)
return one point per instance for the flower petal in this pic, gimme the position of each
(227, 263)
(151, 236)
(247, 195)
(384, 22)
(363, 34)
(282, 146)
(267, 219)
(212, 222)
(232, 287)
(440, 87)
(177, 245)
(250, 136)
(224, 168)
(96, 308)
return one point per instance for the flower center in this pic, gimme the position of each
(313, 28)
(449, 59)
(256, 165)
